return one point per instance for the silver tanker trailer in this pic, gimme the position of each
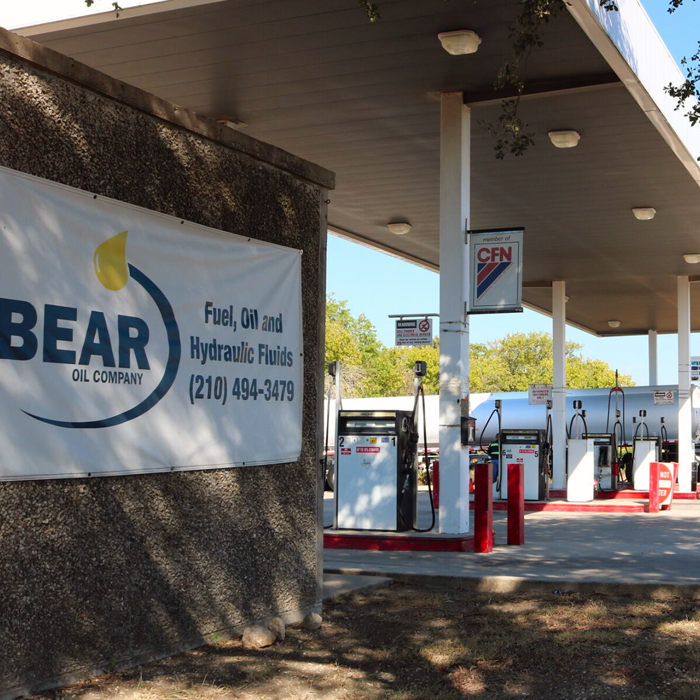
(517, 413)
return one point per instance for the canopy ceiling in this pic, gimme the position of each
(362, 99)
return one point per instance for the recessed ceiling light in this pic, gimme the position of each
(564, 139)
(614, 324)
(399, 228)
(644, 213)
(460, 42)
(692, 258)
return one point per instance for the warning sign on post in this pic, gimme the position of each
(414, 331)
(539, 394)
(664, 398)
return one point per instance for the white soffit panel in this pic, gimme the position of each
(630, 44)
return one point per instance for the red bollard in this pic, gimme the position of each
(653, 488)
(516, 504)
(436, 483)
(483, 508)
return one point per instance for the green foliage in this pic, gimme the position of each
(391, 373)
(509, 364)
(353, 339)
(520, 359)
(369, 368)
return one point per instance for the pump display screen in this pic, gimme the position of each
(365, 424)
(520, 438)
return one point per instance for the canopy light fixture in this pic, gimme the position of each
(692, 258)
(399, 228)
(644, 213)
(460, 42)
(564, 139)
(614, 324)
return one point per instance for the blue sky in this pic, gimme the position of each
(377, 285)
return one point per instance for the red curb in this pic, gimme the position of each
(402, 543)
(564, 507)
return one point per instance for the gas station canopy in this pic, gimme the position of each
(362, 99)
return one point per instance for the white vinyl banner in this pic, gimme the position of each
(135, 342)
(496, 271)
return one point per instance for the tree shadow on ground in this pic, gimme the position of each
(408, 643)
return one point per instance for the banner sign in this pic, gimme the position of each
(132, 342)
(539, 394)
(496, 268)
(414, 331)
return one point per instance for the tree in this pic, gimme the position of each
(391, 372)
(520, 359)
(509, 364)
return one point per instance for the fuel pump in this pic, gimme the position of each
(645, 450)
(580, 477)
(376, 467)
(604, 467)
(525, 447)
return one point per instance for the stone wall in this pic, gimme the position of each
(109, 571)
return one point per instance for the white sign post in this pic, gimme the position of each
(134, 342)
(496, 261)
(414, 331)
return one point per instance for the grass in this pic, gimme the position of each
(408, 643)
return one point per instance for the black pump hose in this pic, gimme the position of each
(481, 444)
(325, 441)
(548, 437)
(427, 466)
(407, 468)
(571, 425)
(634, 438)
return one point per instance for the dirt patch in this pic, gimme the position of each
(408, 643)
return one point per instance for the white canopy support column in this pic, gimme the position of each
(559, 386)
(455, 128)
(685, 415)
(653, 359)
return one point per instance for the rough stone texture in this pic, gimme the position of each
(100, 571)
(278, 628)
(313, 621)
(257, 637)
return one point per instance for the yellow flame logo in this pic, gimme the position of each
(110, 262)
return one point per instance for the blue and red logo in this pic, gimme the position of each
(491, 263)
